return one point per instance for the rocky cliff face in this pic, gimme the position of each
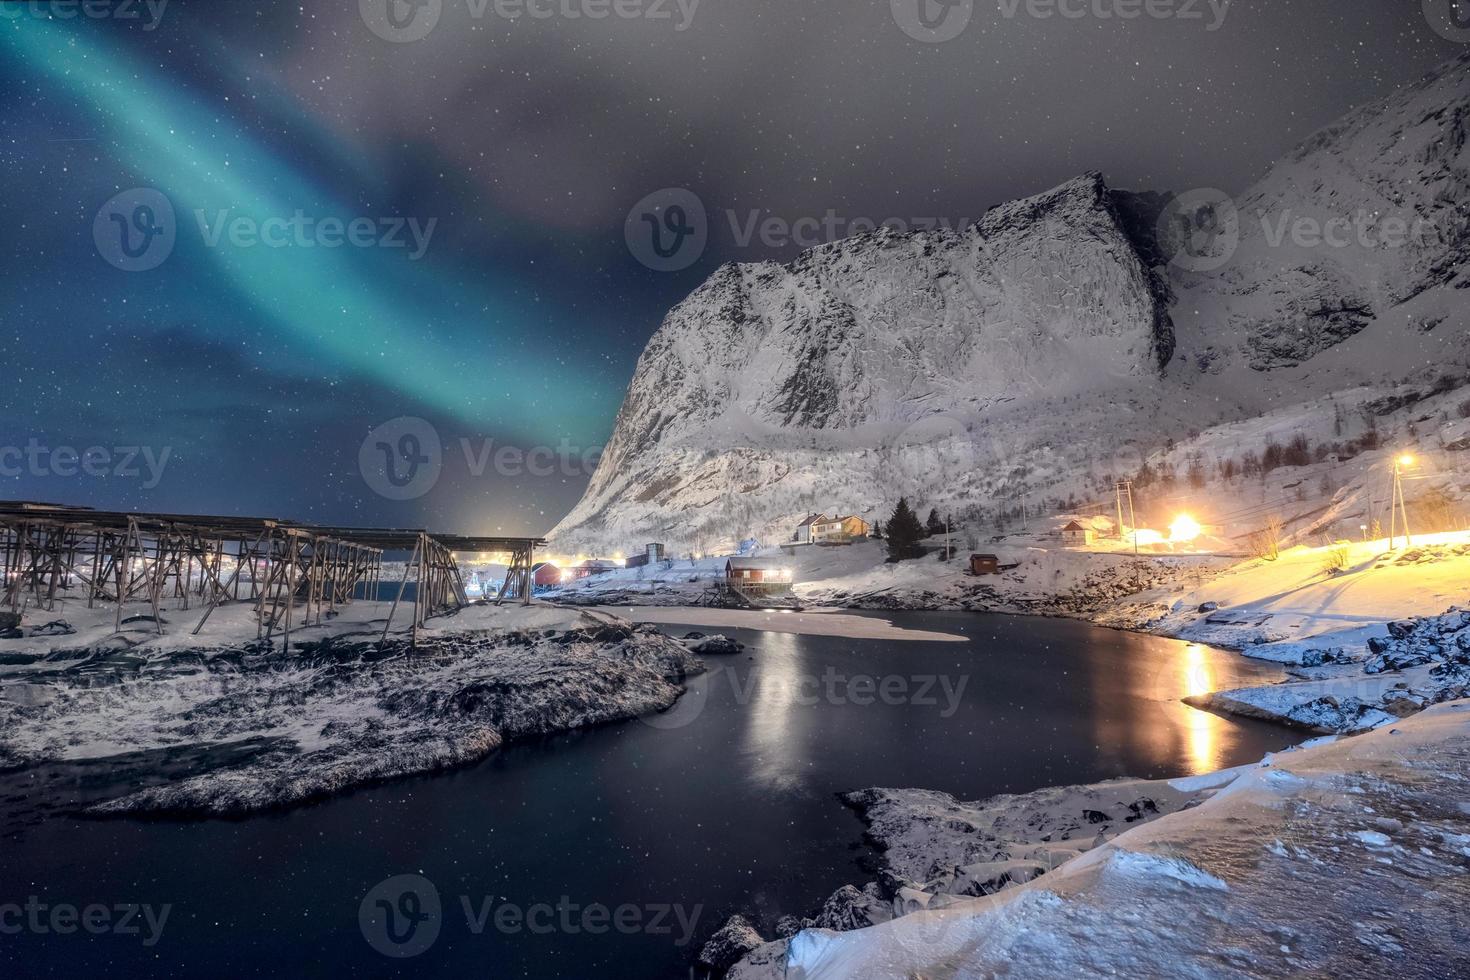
(1362, 218)
(963, 366)
(848, 348)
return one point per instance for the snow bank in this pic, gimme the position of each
(1233, 885)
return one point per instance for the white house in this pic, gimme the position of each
(804, 529)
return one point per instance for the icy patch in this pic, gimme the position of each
(1141, 864)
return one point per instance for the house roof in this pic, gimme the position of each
(814, 519)
(839, 520)
(1074, 526)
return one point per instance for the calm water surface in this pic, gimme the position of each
(727, 803)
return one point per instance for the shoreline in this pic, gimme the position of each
(227, 727)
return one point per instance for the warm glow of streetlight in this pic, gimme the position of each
(1184, 528)
(1406, 460)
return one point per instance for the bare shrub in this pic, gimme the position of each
(1266, 543)
(1335, 561)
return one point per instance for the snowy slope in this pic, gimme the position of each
(1050, 346)
(1365, 216)
(1335, 860)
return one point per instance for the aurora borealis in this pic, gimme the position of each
(509, 153)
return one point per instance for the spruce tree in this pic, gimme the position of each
(934, 525)
(904, 533)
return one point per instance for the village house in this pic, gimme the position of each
(1077, 534)
(595, 566)
(804, 529)
(839, 530)
(545, 575)
(757, 576)
(652, 555)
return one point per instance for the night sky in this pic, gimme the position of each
(520, 146)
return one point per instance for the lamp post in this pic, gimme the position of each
(1396, 507)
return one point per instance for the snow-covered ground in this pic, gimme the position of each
(222, 723)
(1342, 858)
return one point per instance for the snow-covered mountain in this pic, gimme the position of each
(1048, 347)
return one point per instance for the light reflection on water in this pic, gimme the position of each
(771, 736)
(1199, 679)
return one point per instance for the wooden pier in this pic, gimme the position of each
(295, 574)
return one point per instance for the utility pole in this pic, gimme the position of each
(1397, 506)
(1126, 486)
(1118, 493)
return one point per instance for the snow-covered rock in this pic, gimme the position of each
(1422, 662)
(731, 942)
(712, 646)
(241, 727)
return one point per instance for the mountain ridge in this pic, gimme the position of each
(1022, 352)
